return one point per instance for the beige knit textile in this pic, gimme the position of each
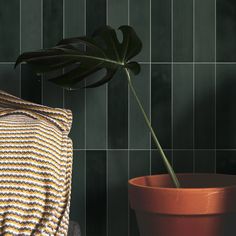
(35, 168)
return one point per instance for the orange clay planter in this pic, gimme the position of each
(204, 206)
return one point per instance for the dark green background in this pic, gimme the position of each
(187, 85)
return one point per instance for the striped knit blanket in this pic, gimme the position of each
(35, 168)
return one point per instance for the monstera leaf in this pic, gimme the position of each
(84, 56)
(87, 55)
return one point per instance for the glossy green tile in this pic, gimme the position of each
(74, 18)
(205, 30)
(96, 118)
(75, 101)
(204, 161)
(139, 165)
(226, 34)
(183, 30)
(226, 162)
(78, 192)
(9, 30)
(117, 88)
(52, 22)
(10, 79)
(117, 14)
(140, 20)
(138, 130)
(52, 33)
(118, 193)
(52, 95)
(31, 25)
(161, 30)
(118, 112)
(182, 106)
(30, 85)
(204, 106)
(183, 161)
(161, 104)
(96, 193)
(96, 99)
(95, 14)
(225, 107)
(158, 166)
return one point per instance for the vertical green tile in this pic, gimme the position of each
(204, 106)
(96, 193)
(118, 112)
(52, 33)
(30, 25)
(139, 133)
(96, 14)
(158, 166)
(75, 100)
(225, 106)
(226, 34)
(161, 30)
(182, 106)
(183, 30)
(9, 30)
(74, 18)
(161, 104)
(117, 88)
(183, 161)
(118, 193)
(52, 94)
(52, 22)
(117, 13)
(10, 79)
(96, 118)
(140, 20)
(96, 99)
(226, 162)
(78, 194)
(205, 30)
(204, 161)
(139, 166)
(30, 85)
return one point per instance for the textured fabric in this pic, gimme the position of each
(35, 168)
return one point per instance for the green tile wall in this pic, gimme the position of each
(187, 86)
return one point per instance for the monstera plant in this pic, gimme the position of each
(89, 55)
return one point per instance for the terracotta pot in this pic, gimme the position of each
(205, 205)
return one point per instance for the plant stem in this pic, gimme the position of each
(164, 158)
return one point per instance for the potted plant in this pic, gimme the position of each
(165, 205)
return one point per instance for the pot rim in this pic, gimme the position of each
(223, 188)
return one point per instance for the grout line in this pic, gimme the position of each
(161, 63)
(128, 161)
(215, 84)
(85, 131)
(107, 156)
(193, 86)
(172, 81)
(188, 62)
(150, 83)
(41, 48)
(20, 45)
(154, 149)
(63, 36)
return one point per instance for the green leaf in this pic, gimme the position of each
(87, 55)
(134, 67)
